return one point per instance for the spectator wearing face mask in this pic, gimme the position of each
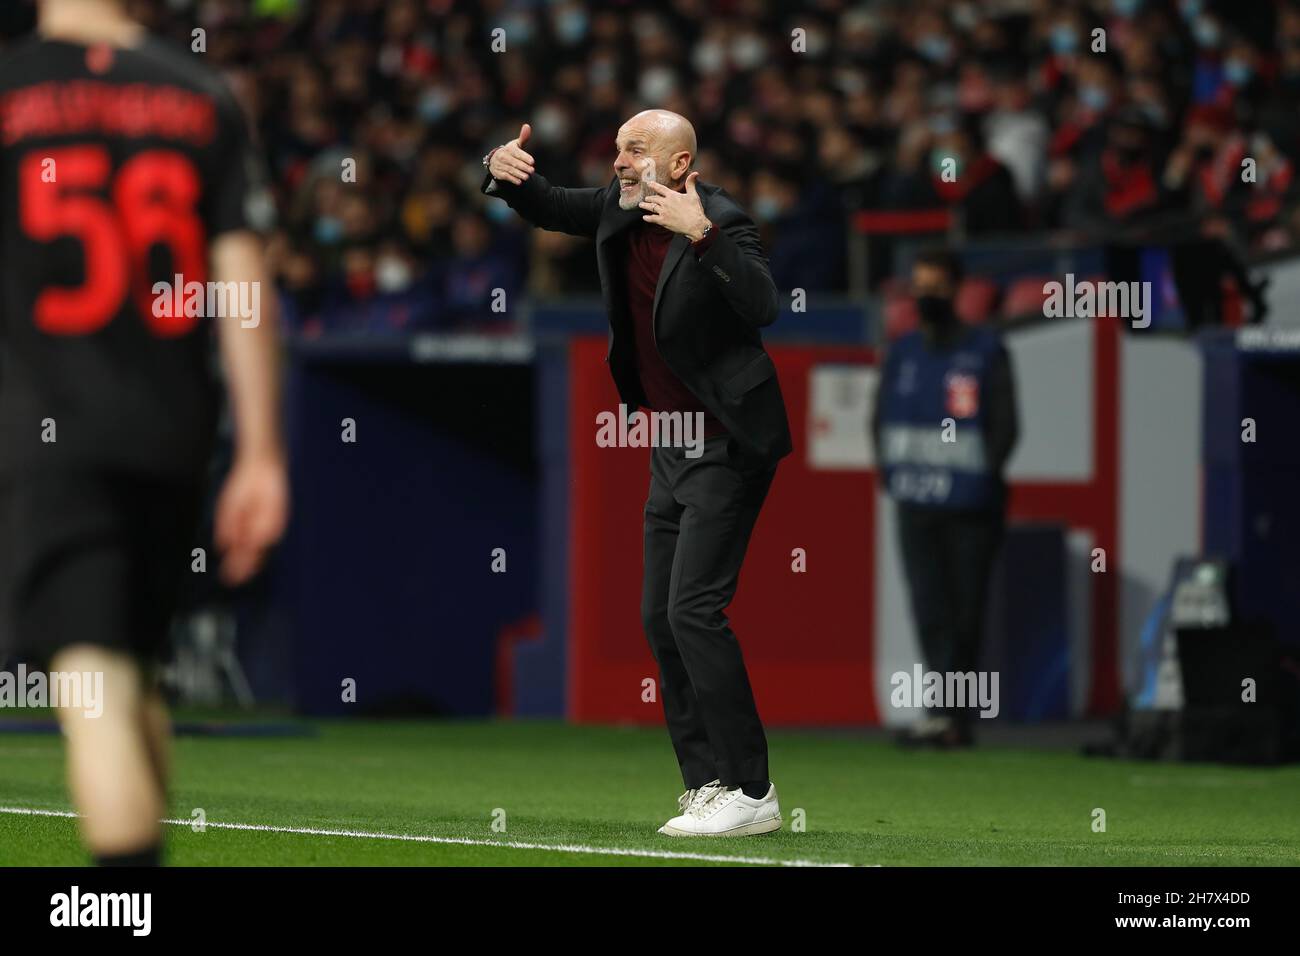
(480, 265)
(981, 186)
(1097, 91)
(806, 228)
(943, 428)
(1080, 138)
(959, 173)
(1205, 170)
(1121, 185)
(1204, 175)
(1209, 74)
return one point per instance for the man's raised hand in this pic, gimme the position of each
(677, 212)
(509, 162)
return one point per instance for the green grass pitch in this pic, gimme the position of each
(862, 801)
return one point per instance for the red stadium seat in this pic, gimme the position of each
(901, 315)
(976, 298)
(894, 286)
(1025, 297)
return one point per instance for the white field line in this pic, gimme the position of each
(465, 841)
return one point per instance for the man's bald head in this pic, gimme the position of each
(673, 130)
(654, 144)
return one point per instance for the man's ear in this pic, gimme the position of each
(679, 165)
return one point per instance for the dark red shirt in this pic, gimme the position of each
(647, 245)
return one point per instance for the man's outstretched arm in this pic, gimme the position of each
(513, 177)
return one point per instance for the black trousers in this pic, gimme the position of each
(698, 520)
(948, 558)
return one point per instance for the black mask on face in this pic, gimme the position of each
(935, 310)
(1129, 154)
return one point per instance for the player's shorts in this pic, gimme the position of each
(93, 558)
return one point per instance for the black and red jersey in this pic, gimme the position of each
(118, 167)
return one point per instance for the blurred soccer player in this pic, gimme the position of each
(123, 164)
(687, 288)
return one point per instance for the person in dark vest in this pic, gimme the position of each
(944, 425)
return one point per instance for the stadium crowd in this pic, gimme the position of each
(807, 113)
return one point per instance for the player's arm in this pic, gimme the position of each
(513, 177)
(253, 506)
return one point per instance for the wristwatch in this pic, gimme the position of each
(488, 156)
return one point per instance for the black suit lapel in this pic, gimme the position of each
(613, 222)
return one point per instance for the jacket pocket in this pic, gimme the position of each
(752, 375)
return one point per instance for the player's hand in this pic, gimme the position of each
(509, 162)
(677, 212)
(252, 511)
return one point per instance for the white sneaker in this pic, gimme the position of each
(727, 813)
(702, 793)
(692, 797)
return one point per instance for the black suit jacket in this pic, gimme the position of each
(708, 309)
